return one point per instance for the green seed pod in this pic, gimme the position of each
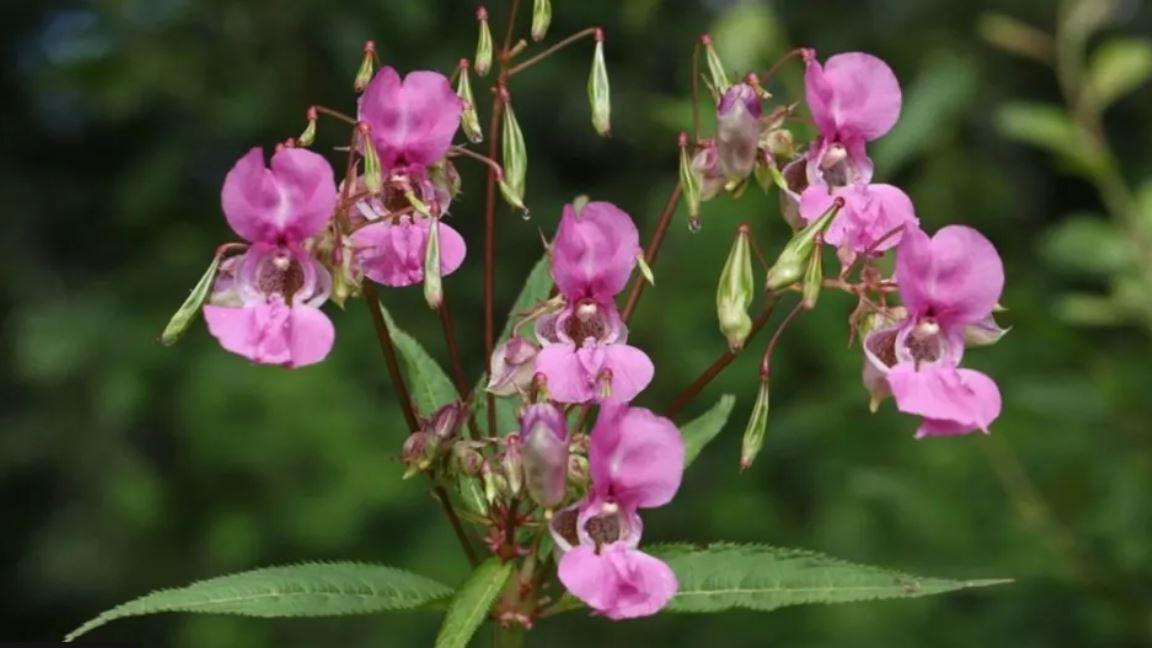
(515, 160)
(757, 426)
(191, 306)
(689, 183)
(541, 18)
(735, 292)
(598, 90)
(308, 137)
(367, 67)
(791, 263)
(813, 278)
(433, 285)
(469, 120)
(483, 43)
(373, 174)
(719, 78)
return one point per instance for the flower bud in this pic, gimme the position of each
(472, 497)
(598, 92)
(757, 425)
(512, 461)
(512, 367)
(780, 143)
(719, 78)
(545, 435)
(367, 61)
(418, 452)
(309, 135)
(512, 185)
(466, 459)
(645, 269)
(541, 18)
(483, 57)
(689, 183)
(469, 120)
(373, 174)
(792, 261)
(578, 475)
(738, 131)
(735, 292)
(433, 284)
(445, 423)
(813, 279)
(191, 306)
(495, 484)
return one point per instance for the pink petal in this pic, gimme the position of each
(272, 334)
(870, 212)
(594, 251)
(568, 381)
(413, 121)
(953, 401)
(956, 276)
(293, 200)
(636, 457)
(631, 369)
(620, 583)
(853, 96)
(393, 254)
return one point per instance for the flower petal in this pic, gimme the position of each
(953, 401)
(636, 457)
(293, 200)
(393, 253)
(594, 251)
(568, 380)
(956, 276)
(272, 334)
(853, 96)
(619, 582)
(413, 120)
(631, 368)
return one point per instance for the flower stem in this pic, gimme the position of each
(693, 390)
(653, 249)
(490, 254)
(584, 33)
(384, 336)
(457, 527)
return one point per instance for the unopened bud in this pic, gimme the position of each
(466, 459)
(791, 263)
(541, 18)
(512, 461)
(813, 280)
(445, 423)
(483, 43)
(469, 120)
(512, 185)
(719, 78)
(495, 484)
(757, 426)
(418, 452)
(738, 131)
(512, 366)
(689, 182)
(433, 284)
(545, 435)
(367, 67)
(373, 174)
(309, 135)
(578, 475)
(598, 91)
(735, 291)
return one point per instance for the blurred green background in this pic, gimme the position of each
(125, 466)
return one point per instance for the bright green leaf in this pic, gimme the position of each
(1088, 244)
(304, 590)
(430, 386)
(1049, 127)
(757, 577)
(472, 603)
(191, 306)
(702, 429)
(1119, 66)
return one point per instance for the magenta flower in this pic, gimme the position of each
(854, 98)
(636, 461)
(264, 304)
(391, 252)
(948, 283)
(584, 356)
(869, 213)
(412, 120)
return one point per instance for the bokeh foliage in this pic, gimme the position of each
(125, 466)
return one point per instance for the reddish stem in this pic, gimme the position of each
(653, 249)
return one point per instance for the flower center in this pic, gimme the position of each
(924, 343)
(603, 529)
(280, 274)
(587, 321)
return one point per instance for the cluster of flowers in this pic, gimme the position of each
(949, 284)
(310, 240)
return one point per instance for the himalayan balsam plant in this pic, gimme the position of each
(544, 468)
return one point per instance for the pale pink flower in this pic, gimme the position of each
(738, 131)
(545, 439)
(412, 120)
(636, 461)
(391, 252)
(870, 212)
(264, 304)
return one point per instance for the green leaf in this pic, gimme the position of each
(1088, 244)
(702, 429)
(304, 590)
(191, 306)
(1119, 66)
(1049, 127)
(747, 35)
(758, 577)
(430, 386)
(472, 602)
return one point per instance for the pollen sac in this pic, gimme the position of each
(735, 292)
(598, 90)
(541, 19)
(757, 426)
(483, 43)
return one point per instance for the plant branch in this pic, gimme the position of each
(384, 336)
(653, 249)
(584, 33)
(457, 527)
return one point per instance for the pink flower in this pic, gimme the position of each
(738, 131)
(948, 282)
(869, 213)
(391, 252)
(413, 121)
(265, 303)
(636, 460)
(545, 435)
(854, 98)
(584, 357)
